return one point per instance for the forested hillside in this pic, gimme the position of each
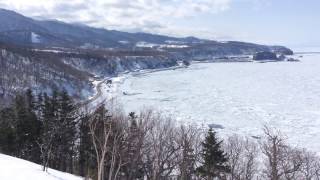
(21, 68)
(108, 144)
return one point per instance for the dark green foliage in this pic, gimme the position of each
(42, 130)
(66, 135)
(48, 130)
(8, 131)
(27, 127)
(86, 159)
(59, 131)
(134, 167)
(214, 159)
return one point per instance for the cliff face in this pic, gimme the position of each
(111, 66)
(265, 56)
(22, 68)
(19, 71)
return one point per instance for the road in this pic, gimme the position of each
(96, 96)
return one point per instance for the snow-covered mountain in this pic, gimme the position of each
(43, 55)
(18, 29)
(17, 169)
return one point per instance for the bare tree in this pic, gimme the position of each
(161, 148)
(46, 149)
(188, 139)
(100, 129)
(291, 163)
(118, 139)
(282, 161)
(272, 148)
(242, 155)
(310, 168)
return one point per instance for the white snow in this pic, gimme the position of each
(17, 169)
(35, 38)
(241, 97)
(124, 42)
(108, 91)
(145, 44)
(49, 50)
(173, 46)
(152, 45)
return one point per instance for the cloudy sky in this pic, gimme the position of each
(285, 22)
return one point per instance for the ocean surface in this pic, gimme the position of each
(237, 98)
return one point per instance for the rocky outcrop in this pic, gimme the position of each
(265, 55)
(281, 50)
(112, 66)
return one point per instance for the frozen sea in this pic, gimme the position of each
(240, 97)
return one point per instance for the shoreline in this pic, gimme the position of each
(124, 75)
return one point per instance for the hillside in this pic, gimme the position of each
(18, 169)
(18, 29)
(26, 31)
(46, 55)
(74, 71)
(22, 68)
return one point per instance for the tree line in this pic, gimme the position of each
(107, 144)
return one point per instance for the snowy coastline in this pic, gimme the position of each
(239, 98)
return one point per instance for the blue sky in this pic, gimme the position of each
(293, 23)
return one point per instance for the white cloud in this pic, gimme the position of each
(157, 16)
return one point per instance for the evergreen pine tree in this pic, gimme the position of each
(8, 143)
(49, 131)
(34, 127)
(22, 126)
(134, 167)
(86, 160)
(215, 160)
(67, 131)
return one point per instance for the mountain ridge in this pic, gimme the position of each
(51, 54)
(17, 28)
(72, 34)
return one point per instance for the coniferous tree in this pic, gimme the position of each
(134, 167)
(86, 159)
(39, 107)
(21, 125)
(67, 131)
(214, 159)
(34, 127)
(49, 132)
(53, 120)
(8, 138)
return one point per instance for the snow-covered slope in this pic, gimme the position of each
(17, 169)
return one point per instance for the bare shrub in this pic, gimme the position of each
(242, 155)
(282, 161)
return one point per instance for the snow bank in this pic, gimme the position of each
(17, 169)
